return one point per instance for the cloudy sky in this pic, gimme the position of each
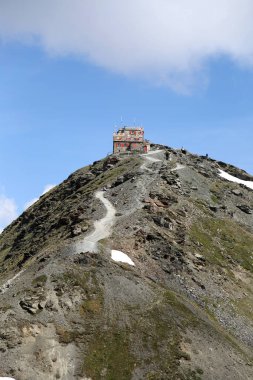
(71, 70)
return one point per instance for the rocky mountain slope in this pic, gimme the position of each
(180, 307)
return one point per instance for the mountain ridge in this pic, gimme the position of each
(182, 312)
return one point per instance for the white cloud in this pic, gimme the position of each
(48, 188)
(8, 211)
(166, 41)
(8, 207)
(32, 201)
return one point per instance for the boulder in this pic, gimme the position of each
(76, 231)
(213, 208)
(200, 257)
(237, 192)
(30, 305)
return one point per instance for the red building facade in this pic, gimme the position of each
(130, 140)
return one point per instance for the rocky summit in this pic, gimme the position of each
(135, 267)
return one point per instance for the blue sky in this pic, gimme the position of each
(59, 104)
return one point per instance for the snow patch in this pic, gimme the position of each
(121, 257)
(231, 178)
(6, 378)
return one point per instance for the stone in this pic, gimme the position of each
(148, 200)
(213, 208)
(76, 231)
(245, 208)
(237, 192)
(50, 305)
(159, 220)
(199, 257)
(42, 304)
(110, 162)
(204, 173)
(159, 203)
(29, 306)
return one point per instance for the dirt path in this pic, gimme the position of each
(102, 227)
(150, 159)
(178, 167)
(8, 283)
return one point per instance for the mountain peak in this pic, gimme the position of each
(135, 267)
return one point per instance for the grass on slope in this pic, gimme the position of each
(221, 240)
(149, 344)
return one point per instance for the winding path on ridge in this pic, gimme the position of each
(148, 157)
(103, 227)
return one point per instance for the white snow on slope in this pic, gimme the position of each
(6, 378)
(231, 178)
(121, 257)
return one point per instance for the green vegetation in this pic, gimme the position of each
(162, 340)
(103, 179)
(109, 356)
(244, 307)
(40, 280)
(221, 240)
(150, 341)
(65, 336)
(219, 187)
(167, 318)
(187, 317)
(201, 205)
(91, 291)
(73, 279)
(92, 306)
(215, 199)
(194, 374)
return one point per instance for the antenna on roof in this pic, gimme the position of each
(121, 120)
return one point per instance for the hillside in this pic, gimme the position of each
(179, 307)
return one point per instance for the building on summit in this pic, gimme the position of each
(129, 140)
